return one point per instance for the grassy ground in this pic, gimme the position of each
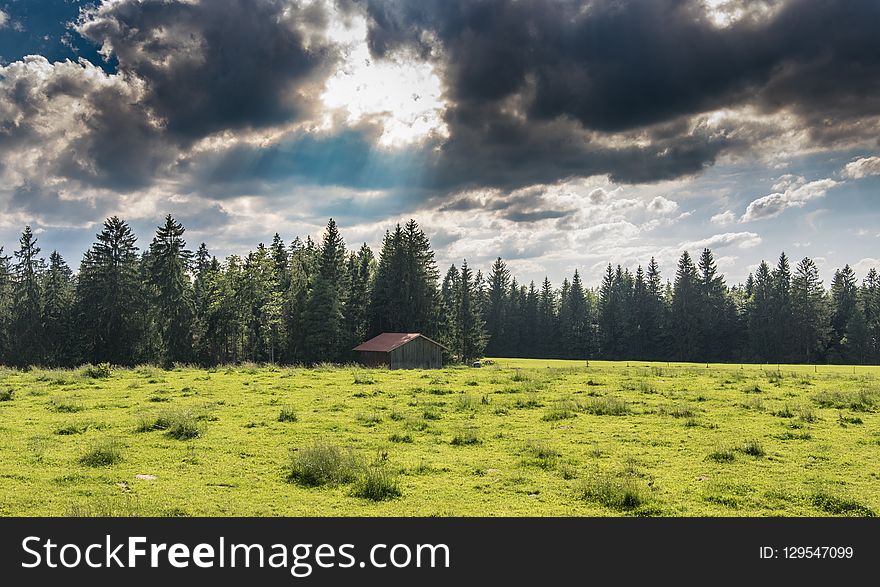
(520, 437)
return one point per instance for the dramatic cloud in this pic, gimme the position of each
(797, 192)
(568, 125)
(864, 167)
(218, 65)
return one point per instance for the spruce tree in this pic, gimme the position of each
(27, 305)
(58, 304)
(470, 333)
(109, 297)
(810, 326)
(496, 311)
(714, 311)
(844, 298)
(781, 316)
(5, 308)
(361, 266)
(323, 318)
(760, 316)
(685, 311)
(169, 261)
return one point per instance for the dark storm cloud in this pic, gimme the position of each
(50, 206)
(218, 65)
(621, 66)
(529, 205)
(618, 65)
(537, 92)
(183, 71)
(121, 148)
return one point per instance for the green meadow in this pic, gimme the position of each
(513, 438)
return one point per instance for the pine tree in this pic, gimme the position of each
(361, 266)
(5, 308)
(870, 295)
(58, 304)
(404, 297)
(169, 261)
(810, 327)
(781, 316)
(760, 315)
(303, 271)
(574, 321)
(323, 319)
(855, 342)
(513, 342)
(685, 311)
(713, 310)
(546, 319)
(844, 298)
(470, 333)
(653, 318)
(496, 311)
(109, 297)
(27, 305)
(609, 315)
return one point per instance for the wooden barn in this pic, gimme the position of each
(401, 350)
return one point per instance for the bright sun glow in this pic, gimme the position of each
(407, 97)
(724, 13)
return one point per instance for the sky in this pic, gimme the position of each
(557, 134)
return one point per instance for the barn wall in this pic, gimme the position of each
(418, 353)
(373, 359)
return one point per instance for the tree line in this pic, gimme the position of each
(308, 302)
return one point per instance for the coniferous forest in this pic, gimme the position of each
(306, 302)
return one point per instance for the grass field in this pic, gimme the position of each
(519, 437)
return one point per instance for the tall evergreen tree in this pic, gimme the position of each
(574, 322)
(323, 318)
(781, 306)
(404, 297)
(870, 295)
(169, 261)
(496, 311)
(844, 298)
(6, 283)
(685, 311)
(809, 332)
(760, 315)
(653, 319)
(27, 305)
(109, 296)
(58, 303)
(470, 332)
(361, 266)
(713, 310)
(547, 308)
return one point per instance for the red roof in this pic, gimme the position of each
(388, 341)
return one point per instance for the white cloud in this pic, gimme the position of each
(723, 218)
(598, 195)
(863, 266)
(4, 19)
(797, 192)
(406, 95)
(662, 206)
(743, 240)
(862, 168)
